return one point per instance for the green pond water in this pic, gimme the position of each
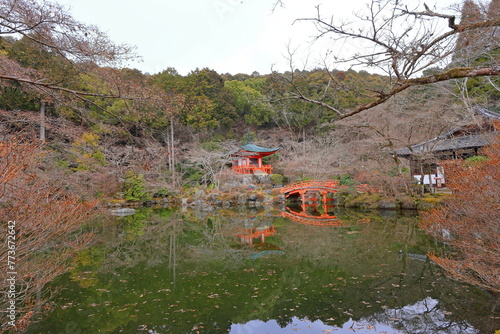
(256, 271)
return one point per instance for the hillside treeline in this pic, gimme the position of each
(204, 100)
(106, 114)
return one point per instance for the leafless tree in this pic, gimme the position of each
(81, 48)
(213, 162)
(404, 42)
(49, 24)
(43, 221)
(51, 27)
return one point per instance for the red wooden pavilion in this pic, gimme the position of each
(248, 159)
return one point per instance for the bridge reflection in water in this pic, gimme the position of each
(316, 218)
(256, 236)
(316, 208)
(304, 217)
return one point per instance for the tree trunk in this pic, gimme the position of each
(42, 122)
(172, 155)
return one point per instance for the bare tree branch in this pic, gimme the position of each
(456, 73)
(40, 83)
(403, 43)
(55, 33)
(50, 25)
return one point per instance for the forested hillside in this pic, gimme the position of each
(102, 119)
(212, 114)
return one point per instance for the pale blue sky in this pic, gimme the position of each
(229, 36)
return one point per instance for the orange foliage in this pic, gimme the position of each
(469, 221)
(44, 224)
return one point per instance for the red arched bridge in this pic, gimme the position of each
(323, 187)
(308, 192)
(300, 188)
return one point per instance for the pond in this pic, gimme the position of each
(263, 271)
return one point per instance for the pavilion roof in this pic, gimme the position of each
(251, 149)
(259, 149)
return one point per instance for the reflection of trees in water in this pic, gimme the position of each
(144, 238)
(374, 262)
(357, 272)
(360, 247)
(155, 238)
(425, 316)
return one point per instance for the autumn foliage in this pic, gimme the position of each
(469, 221)
(47, 222)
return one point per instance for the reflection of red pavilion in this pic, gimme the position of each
(248, 159)
(248, 236)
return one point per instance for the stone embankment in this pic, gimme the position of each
(256, 191)
(208, 201)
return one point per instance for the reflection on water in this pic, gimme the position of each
(312, 218)
(248, 236)
(421, 317)
(162, 271)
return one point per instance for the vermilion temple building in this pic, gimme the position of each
(248, 159)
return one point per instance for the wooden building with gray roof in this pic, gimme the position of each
(460, 142)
